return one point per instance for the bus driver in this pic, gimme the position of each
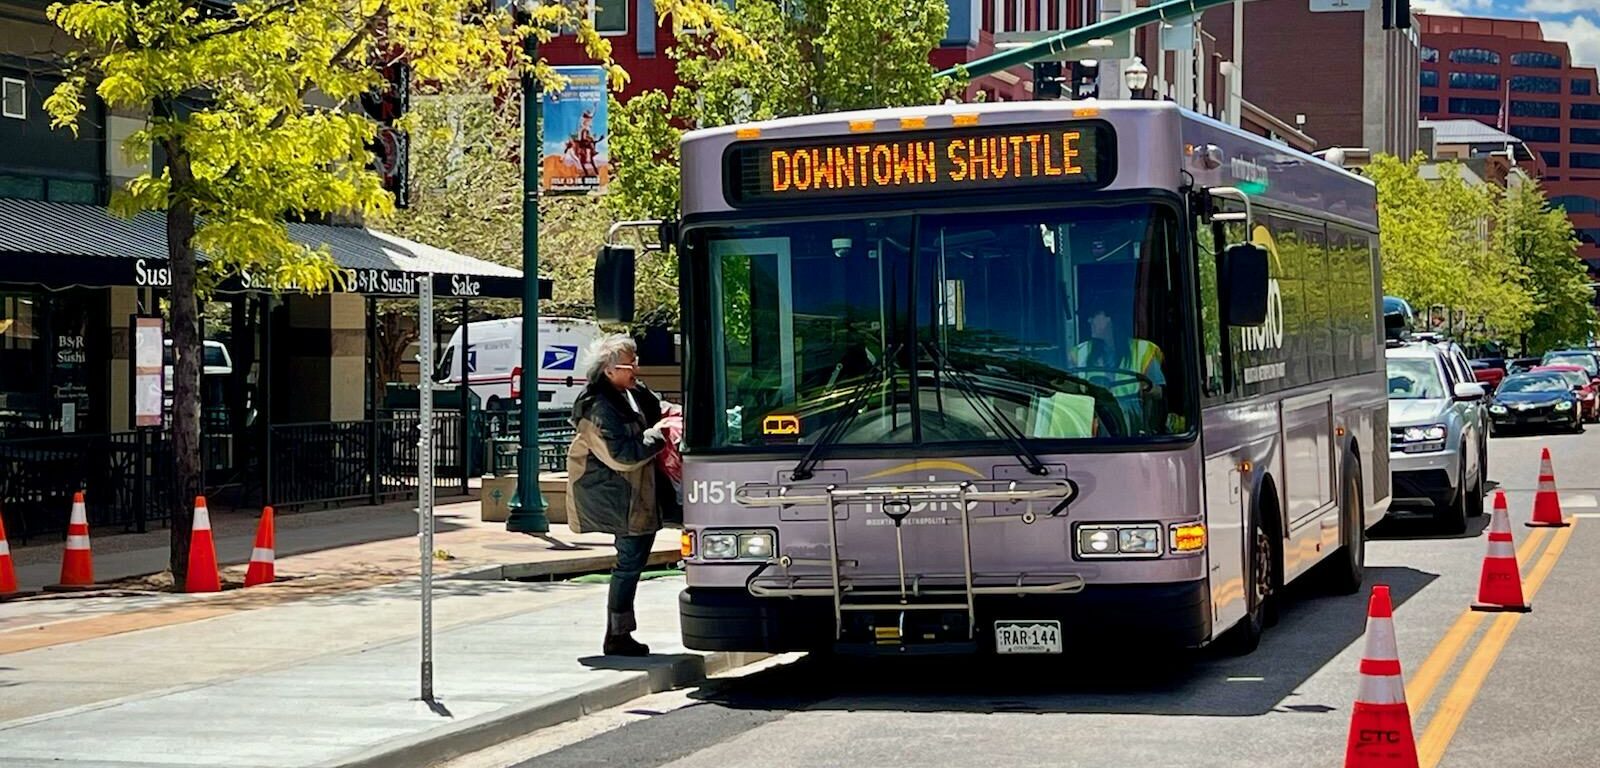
(1108, 352)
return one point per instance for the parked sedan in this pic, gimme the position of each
(1581, 384)
(1534, 400)
(1488, 373)
(1583, 358)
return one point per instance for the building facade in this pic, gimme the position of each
(1353, 82)
(1506, 74)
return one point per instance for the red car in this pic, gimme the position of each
(1487, 374)
(1581, 384)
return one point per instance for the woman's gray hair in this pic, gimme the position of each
(607, 352)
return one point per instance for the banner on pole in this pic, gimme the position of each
(577, 154)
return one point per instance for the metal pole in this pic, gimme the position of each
(1051, 47)
(374, 473)
(425, 481)
(264, 389)
(527, 505)
(465, 450)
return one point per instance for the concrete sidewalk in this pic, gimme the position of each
(351, 540)
(333, 680)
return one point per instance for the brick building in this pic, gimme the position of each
(1506, 74)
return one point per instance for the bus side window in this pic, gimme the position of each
(1211, 371)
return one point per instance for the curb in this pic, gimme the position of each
(588, 564)
(494, 728)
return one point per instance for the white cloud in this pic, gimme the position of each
(1556, 6)
(1446, 7)
(1581, 33)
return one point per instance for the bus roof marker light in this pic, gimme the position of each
(862, 126)
(913, 122)
(748, 133)
(965, 119)
(1086, 112)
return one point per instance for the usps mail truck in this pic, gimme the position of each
(494, 360)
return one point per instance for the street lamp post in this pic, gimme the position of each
(1136, 76)
(527, 507)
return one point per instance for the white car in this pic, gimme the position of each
(1438, 455)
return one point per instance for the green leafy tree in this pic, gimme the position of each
(1541, 239)
(803, 57)
(1435, 236)
(252, 104)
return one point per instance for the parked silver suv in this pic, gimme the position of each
(1438, 445)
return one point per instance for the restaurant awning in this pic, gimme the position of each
(62, 245)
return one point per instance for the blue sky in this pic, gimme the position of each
(1575, 22)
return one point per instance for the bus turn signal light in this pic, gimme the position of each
(1188, 538)
(686, 544)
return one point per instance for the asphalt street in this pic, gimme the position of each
(1485, 689)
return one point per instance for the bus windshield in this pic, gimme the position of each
(1053, 323)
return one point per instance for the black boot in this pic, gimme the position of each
(625, 645)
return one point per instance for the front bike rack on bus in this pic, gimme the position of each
(898, 503)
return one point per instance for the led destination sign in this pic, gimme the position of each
(1004, 157)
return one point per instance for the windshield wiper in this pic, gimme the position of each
(996, 420)
(881, 372)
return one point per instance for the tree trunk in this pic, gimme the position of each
(186, 356)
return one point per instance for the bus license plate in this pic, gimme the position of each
(1027, 636)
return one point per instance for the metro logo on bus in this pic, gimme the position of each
(1075, 154)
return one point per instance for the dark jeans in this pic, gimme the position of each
(632, 553)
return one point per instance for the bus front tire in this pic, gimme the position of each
(1261, 580)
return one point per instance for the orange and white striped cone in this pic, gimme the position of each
(1500, 583)
(77, 562)
(8, 571)
(262, 557)
(1547, 502)
(1380, 722)
(203, 575)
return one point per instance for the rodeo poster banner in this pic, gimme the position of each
(577, 157)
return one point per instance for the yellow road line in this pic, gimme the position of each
(1421, 686)
(1442, 728)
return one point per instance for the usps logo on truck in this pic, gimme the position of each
(560, 357)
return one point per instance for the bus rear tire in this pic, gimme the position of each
(1260, 580)
(1347, 569)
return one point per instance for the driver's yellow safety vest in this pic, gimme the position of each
(1142, 355)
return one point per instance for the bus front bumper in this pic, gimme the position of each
(1171, 615)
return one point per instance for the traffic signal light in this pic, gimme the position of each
(391, 149)
(1046, 80)
(1396, 14)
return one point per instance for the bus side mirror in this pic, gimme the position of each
(1244, 272)
(613, 284)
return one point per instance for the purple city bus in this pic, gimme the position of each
(1008, 378)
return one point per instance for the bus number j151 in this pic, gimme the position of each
(711, 491)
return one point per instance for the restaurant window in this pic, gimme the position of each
(13, 98)
(52, 362)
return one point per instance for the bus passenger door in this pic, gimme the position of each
(1225, 528)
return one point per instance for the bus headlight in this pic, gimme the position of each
(1130, 540)
(738, 545)
(719, 546)
(756, 546)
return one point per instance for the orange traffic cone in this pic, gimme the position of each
(1547, 503)
(8, 573)
(77, 562)
(203, 575)
(1380, 722)
(1500, 585)
(262, 557)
